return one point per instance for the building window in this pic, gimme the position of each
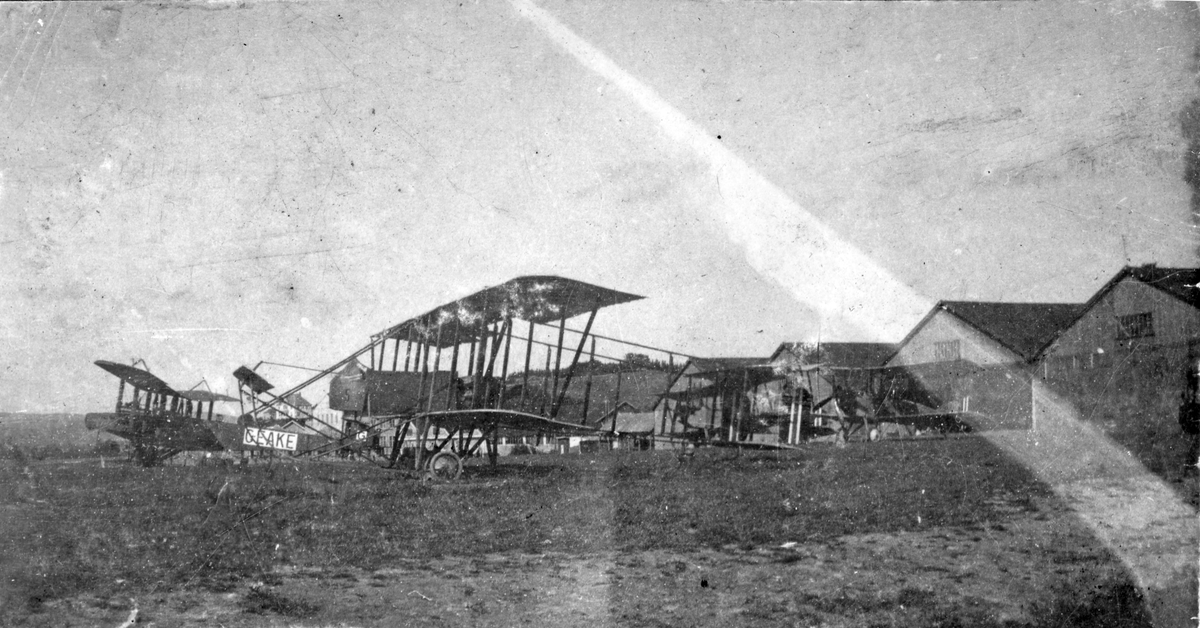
(1135, 326)
(945, 351)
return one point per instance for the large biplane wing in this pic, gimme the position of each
(142, 380)
(538, 299)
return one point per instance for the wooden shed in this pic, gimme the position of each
(977, 356)
(1122, 362)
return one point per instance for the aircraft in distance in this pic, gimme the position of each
(157, 420)
(161, 422)
(461, 386)
(780, 402)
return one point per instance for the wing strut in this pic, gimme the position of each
(297, 388)
(276, 399)
(574, 361)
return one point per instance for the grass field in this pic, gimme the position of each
(873, 534)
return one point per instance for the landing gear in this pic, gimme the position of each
(148, 454)
(445, 466)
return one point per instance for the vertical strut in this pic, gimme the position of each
(528, 356)
(545, 383)
(480, 356)
(671, 366)
(504, 366)
(737, 408)
(437, 363)
(471, 358)
(562, 326)
(408, 348)
(489, 380)
(423, 355)
(398, 443)
(493, 445)
(712, 411)
(587, 390)
(617, 401)
(501, 330)
(574, 361)
(662, 429)
(452, 390)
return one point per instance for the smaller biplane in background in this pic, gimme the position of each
(161, 422)
(785, 400)
(870, 403)
(158, 421)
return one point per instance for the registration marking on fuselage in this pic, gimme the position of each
(271, 439)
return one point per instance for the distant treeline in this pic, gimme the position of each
(38, 436)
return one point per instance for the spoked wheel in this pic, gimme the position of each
(445, 466)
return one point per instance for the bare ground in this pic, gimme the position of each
(1005, 574)
(938, 533)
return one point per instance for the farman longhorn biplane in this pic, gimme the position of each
(461, 384)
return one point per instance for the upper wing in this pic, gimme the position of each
(540, 299)
(252, 380)
(138, 378)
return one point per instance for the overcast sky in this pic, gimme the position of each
(204, 185)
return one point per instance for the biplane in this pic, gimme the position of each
(767, 403)
(161, 422)
(449, 384)
(157, 420)
(870, 403)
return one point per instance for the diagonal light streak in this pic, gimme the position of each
(50, 49)
(850, 292)
(1130, 509)
(17, 53)
(36, 46)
